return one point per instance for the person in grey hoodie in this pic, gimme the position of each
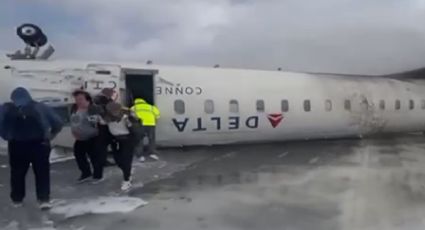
(85, 118)
(28, 127)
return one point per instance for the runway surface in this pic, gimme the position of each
(341, 184)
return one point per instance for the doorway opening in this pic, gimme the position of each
(140, 84)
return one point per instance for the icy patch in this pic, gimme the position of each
(42, 228)
(283, 155)
(3, 148)
(314, 160)
(58, 155)
(225, 156)
(12, 226)
(101, 205)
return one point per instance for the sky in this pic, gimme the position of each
(342, 36)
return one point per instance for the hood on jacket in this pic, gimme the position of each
(139, 101)
(20, 96)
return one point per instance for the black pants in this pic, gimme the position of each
(149, 132)
(89, 149)
(124, 156)
(106, 139)
(21, 155)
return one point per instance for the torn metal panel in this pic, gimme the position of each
(366, 115)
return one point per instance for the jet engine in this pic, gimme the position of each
(31, 35)
(34, 39)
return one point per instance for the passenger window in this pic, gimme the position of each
(179, 107)
(328, 105)
(411, 104)
(260, 106)
(347, 105)
(382, 104)
(307, 105)
(397, 104)
(423, 104)
(234, 106)
(209, 106)
(364, 104)
(284, 105)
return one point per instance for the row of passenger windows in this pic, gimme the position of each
(179, 105)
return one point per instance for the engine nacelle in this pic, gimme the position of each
(32, 35)
(34, 39)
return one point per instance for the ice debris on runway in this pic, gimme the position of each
(100, 205)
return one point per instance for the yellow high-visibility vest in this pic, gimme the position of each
(148, 114)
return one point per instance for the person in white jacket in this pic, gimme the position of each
(119, 125)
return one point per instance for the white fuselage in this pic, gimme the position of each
(206, 106)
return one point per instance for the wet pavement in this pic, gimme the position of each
(340, 184)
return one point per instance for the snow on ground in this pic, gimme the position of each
(16, 226)
(48, 228)
(3, 147)
(101, 205)
(56, 155)
(60, 155)
(12, 226)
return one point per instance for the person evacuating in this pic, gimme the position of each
(148, 114)
(85, 120)
(28, 127)
(106, 139)
(120, 125)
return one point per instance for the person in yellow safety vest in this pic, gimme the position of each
(148, 114)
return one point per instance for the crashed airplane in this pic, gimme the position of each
(208, 106)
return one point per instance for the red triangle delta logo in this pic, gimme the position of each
(275, 119)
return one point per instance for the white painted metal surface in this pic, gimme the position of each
(326, 95)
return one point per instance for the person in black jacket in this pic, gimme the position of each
(28, 126)
(105, 137)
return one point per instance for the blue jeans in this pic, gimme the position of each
(149, 132)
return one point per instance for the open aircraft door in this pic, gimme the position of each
(139, 83)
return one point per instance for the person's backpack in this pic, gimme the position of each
(23, 123)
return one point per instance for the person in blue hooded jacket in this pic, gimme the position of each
(28, 127)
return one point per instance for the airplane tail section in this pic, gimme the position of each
(411, 74)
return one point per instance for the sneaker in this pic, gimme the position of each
(97, 181)
(154, 156)
(17, 204)
(45, 205)
(84, 178)
(126, 185)
(142, 159)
